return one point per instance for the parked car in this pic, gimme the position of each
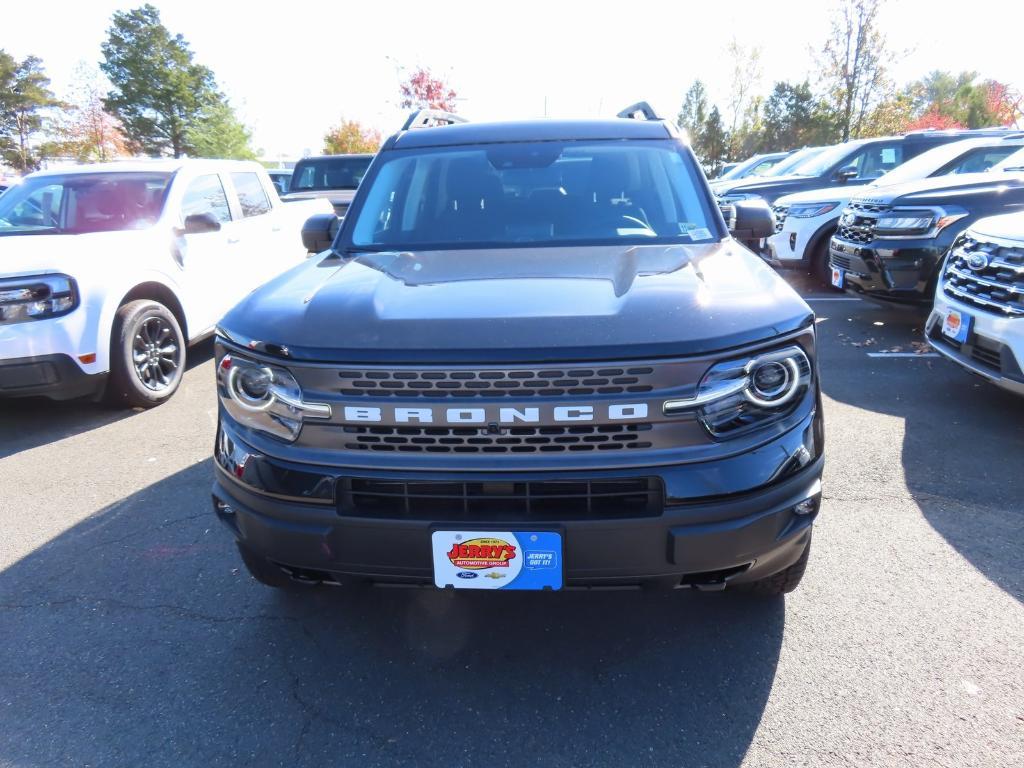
(533, 357)
(331, 177)
(891, 239)
(977, 320)
(782, 168)
(109, 271)
(726, 168)
(806, 221)
(756, 165)
(281, 179)
(853, 163)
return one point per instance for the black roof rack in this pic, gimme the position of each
(428, 118)
(639, 111)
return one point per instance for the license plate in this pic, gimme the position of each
(956, 325)
(838, 277)
(497, 559)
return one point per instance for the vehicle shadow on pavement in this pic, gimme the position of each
(962, 443)
(135, 638)
(35, 421)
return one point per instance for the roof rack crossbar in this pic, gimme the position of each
(426, 118)
(639, 111)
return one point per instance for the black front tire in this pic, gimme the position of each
(147, 355)
(783, 582)
(820, 269)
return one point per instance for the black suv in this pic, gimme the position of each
(533, 357)
(860, 161)
(891, 240)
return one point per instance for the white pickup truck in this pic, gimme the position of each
(108, 272)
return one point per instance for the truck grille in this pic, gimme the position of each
(857, 225)
(995, 284)
(610, 437)
(547, 500)
(781, 211)
(496, 383)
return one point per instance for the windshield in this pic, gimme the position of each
(792, 164)
(79, 203)
(329, 173)
(739, 169)
(1014, 162)
(832, 155)
(542, 193)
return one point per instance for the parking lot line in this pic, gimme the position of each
(833, 298)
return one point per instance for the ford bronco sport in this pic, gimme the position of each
(533, 357)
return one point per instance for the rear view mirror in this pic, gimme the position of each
(197, 223)
(318, 232)
(751, 220)
(843, 175)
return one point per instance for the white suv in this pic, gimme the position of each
(978, 317)
(806, 221)
(109, 271)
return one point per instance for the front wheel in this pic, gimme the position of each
(147, 355)
(820, 268)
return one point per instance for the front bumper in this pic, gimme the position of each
(898, 272)
(289, 514)
(55, 376)
(994, 348)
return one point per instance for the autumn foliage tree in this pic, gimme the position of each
(351, 137)
(422, 90)
(85, 130)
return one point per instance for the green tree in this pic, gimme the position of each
(714, 143)
(218, 132)
(351, 137)
(24, 96)
(158, 92)
(854, 64)
(794, 117)
(694, 111)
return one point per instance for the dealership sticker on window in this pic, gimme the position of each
(497, 559)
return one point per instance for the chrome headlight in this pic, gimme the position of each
(264, 397)
(739, 395)
(811, 210)
(38, 297)
(901, 222)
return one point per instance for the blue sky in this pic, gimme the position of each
(293, 69)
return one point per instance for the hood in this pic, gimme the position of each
(840, 195)
(1009, 226)
(756, 184)
(336, 196)
(941, 189)
(45, 254)
(521, 305)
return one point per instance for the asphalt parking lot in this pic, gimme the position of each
(131, 636)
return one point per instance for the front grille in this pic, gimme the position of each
(609, 437)
(843, 262)
(500, 501)
(781, 211)
(857, 224)
(995, 284)
(516, 383)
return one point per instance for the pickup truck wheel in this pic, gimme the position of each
(147, 355)
(780, 583)
(268, 574)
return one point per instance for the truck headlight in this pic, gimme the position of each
(811, 210)
(266, 398)
(38, 297)
(739, 395)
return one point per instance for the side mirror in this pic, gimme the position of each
(751, 220)
(318, 232)
(197, 223)
(843, 175)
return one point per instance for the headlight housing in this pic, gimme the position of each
(903, 222)
(38, 297)
(737, 396)
(811, 210)
(266, 398)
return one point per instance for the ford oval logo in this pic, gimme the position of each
(466, 575)
(978, 261)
